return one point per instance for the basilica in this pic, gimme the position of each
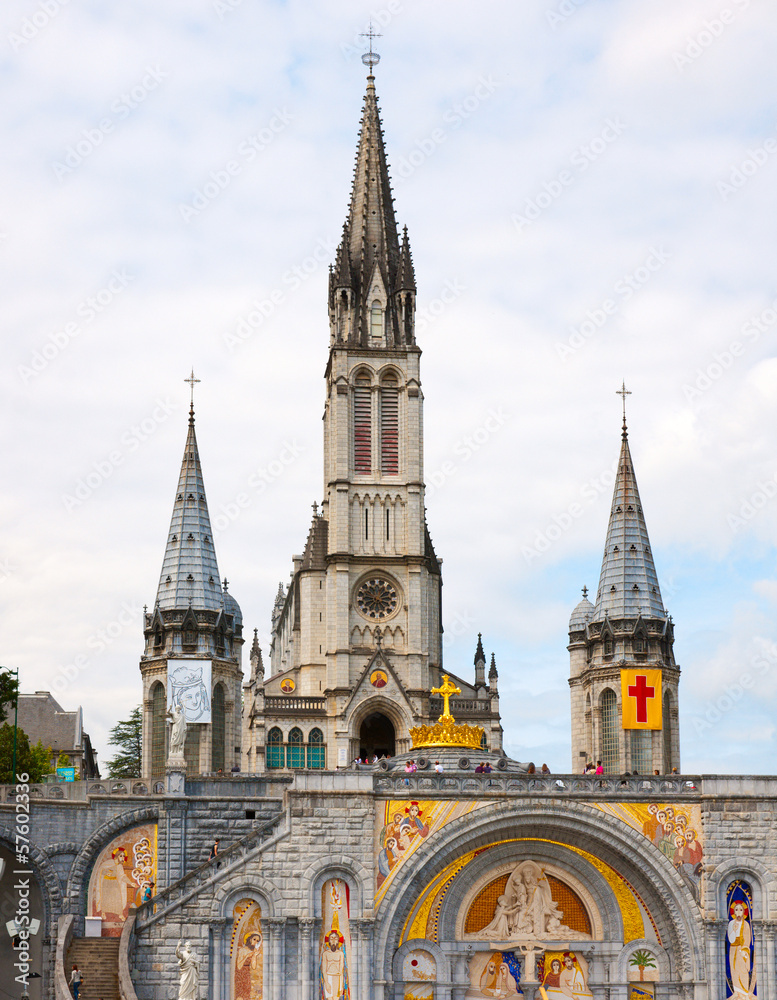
(337, 819)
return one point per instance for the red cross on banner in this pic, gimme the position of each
(641, 699)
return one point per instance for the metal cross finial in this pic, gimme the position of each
(371, 58)
(446, 689)
(192, 382)
(585, 591)
(378, 637)
(623, 392)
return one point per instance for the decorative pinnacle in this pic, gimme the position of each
(371, 58)
(192, 382)
(623, 392)
(378, 637)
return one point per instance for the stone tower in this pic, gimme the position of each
(623, 675)
(193, 639)
(357, 637)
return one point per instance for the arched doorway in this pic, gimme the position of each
(376, 736)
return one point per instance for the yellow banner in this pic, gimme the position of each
(641, 699)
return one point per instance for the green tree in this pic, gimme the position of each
(63, 760)
(127, 736)
(33, 761)
(8, 690)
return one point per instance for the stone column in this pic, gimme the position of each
(365, 928)
(219, 956)
(276, 958)
(304, 958)
(765, 959)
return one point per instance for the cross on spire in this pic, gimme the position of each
(623, 392)
(192, 382)
(371, 58)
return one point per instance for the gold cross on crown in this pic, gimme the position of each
(447, 689)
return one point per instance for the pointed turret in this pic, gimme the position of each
(190, 573)
(196, 627)
(480, 664)
(372, 284)
(622, 644)
(628, 583)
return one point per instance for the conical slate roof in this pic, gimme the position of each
(628, 584)
(190, 573)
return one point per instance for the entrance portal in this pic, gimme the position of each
(376, 736)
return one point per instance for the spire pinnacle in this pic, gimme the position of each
(371, 58)
(628, 583)
(190, 573)
(192, 382)
(623, 392)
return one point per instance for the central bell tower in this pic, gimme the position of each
(357, 636)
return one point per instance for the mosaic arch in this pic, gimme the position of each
(121, 872)
(423, 921)
(246, 951)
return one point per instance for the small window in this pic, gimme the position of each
(376, 320)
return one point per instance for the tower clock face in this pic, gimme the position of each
(376, 598)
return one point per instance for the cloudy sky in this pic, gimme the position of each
(589, 187)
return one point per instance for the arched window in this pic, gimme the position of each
(191, 749)
(362, 426)
(295, 754)
(316, 749)
(666, 734)
(158, 754)
(484, 741)
(218, 726)
(609, 735)
(376, 320)
(275, 749)
(642, 751)
(389, 427)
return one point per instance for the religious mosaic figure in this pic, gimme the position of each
(493, 975)
(335, 945)
(526, 909)
(740, 946)
(566, 977)
(189, 969)
(246, 951)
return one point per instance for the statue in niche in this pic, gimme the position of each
(526, 910)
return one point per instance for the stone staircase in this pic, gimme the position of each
(98, 960)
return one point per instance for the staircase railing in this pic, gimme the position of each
(175, 895)
(126, 989)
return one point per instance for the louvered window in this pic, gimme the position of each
(218, 729)
(362, 427)
(389, 430)
(642, 751)
(376, 320)
(158, 754)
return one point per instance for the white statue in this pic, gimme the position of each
(177, 730)
(190, 972)
(526, 909)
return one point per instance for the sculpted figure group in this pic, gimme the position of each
(526, 909)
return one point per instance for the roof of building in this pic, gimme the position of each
(628, 583)
(190, 573)
(42, 718)
(582, 614)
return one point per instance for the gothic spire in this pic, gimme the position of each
(190, 573)
(372, 283)
(480, 656)
(628, 584)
